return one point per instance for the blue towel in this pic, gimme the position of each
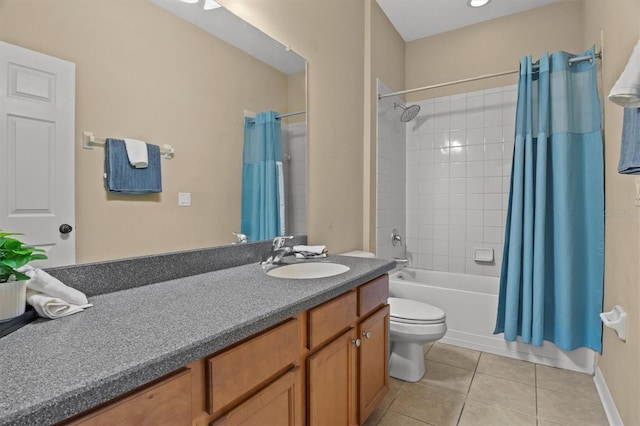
(630, 148)
(122, 177)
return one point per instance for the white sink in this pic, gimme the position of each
(307, 271)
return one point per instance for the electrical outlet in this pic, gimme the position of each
(184, 199)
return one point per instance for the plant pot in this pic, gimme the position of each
(13, 298)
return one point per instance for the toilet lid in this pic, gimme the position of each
(414, 312)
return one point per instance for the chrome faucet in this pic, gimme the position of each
(278, 251)
(396, 238)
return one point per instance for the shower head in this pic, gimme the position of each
(409, 112)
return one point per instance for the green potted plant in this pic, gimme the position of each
(13, 284)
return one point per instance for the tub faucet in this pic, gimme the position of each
(278, 251)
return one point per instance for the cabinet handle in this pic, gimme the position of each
(366, 334)
(356, 342)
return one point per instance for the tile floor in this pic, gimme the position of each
(468, 388)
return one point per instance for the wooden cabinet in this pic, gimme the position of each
(347, 376)
(373, 362)
(279, 404)
(332, 382)
(325, 366)
(236, 372)
(167, 402)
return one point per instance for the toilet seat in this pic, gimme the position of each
(407, 311)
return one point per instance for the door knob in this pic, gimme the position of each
(65, 228)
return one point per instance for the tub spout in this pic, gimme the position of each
(401, 263)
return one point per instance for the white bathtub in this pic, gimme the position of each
(470, 303)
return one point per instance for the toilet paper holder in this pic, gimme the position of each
(616, 319)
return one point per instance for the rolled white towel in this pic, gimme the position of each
(50, 297)
(137, 153)
(52, 307)
(626, 91)
(44, 283)
(302, 255)
(310, 249)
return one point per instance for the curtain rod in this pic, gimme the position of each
(598, 55)
(290, 114)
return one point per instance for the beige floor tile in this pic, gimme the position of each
(375, 417)
(504, 393)
(476, 413)
(545, 422)
(394, 387)
(507, 368)
(426, 347)
(454, 356)
(396, 419)
(447, 377)
(429, 404)
(571, 382)
(568, 409)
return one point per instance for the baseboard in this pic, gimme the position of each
(581, 361)
(607, 400)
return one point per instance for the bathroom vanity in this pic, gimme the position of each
(222, 347)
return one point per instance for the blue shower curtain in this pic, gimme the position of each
(261, 177)
(551, 283)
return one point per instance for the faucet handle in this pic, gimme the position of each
(278, 242)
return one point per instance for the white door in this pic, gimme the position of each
(37, 113)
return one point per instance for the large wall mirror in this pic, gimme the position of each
(157, 70)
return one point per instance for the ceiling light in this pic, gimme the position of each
(473, 3)
(210, 4)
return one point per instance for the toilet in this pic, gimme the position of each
(411, 325)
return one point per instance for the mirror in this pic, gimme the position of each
(152, 70)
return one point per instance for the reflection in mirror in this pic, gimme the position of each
(145, 71)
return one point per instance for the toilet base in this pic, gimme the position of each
(407, 361)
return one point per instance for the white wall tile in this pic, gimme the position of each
(457, 164)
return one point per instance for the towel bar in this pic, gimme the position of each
(89, 141)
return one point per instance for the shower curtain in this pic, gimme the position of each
(551, 284)
(262, 180)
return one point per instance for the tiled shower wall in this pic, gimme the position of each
(458, 164)
(294, 151)
(391, 176)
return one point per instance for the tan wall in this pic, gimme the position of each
(491, 47)
(620, 361)
(144, 73)
(330, 35)
(387, 62)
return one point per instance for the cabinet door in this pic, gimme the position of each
(278, 404)
(168, 402)
(332, 382)
(373, 365)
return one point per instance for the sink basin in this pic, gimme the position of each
(307, 271)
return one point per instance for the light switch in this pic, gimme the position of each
(184, 199)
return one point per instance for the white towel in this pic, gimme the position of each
(50, 297)
(137, 153)
(317, 250)
(626, 91)
(52, 307)
(302, 255)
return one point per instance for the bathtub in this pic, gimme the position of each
(470, 303)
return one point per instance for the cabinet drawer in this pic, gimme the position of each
(329, 319)
(278, 404)
(167, 402)
(236, 372)
(373, 295)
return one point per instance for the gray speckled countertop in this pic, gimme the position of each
(50, 370)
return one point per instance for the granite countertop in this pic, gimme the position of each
(53, 369)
